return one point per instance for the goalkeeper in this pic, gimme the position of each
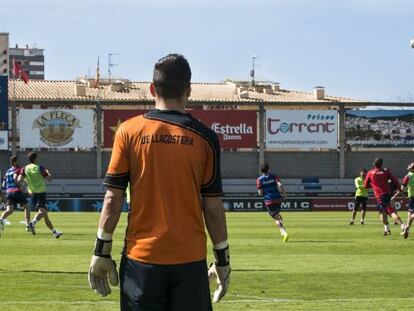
(172, 162)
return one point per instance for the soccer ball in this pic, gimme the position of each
(412, 43)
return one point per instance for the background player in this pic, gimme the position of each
(408, 181)
(14, 195)
(377, 178)
(270, 187)
(34, 175)
(361, 197)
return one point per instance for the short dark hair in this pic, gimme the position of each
(172, 76)
(13, 160)
(32, 156)
(264, 168)
(378, 162)
(363, 170)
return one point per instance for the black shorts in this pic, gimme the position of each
(273, 209)
(148, 287)
(14, 198)
(384, 204)
(361, 201)
(411, 205)
(39, 200)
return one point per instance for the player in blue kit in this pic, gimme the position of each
(270, 187)
(14, 195)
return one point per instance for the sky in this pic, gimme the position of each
(355, 48)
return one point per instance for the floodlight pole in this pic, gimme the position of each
(262, 127)
(14, 126)
(341, 139)
(252, 71)
(98, 126)
(14, 117)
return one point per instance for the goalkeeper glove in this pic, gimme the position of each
(102, 267)
(220, 269)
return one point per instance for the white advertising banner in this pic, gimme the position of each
(56, 128)
(301, 129)
(4, 141)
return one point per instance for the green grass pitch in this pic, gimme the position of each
(326, 265)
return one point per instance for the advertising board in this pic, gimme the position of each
(89, 202)
(4, 104)
(235, 129)
(56, 128)
(301, 129)
(4, 140)
(380, 128)
(112, 119)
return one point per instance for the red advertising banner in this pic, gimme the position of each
(112, 120)
(235, 129)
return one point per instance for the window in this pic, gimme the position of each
(36, 63)
(29, 53)
(33, 52)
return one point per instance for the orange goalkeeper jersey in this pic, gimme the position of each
(171, 160)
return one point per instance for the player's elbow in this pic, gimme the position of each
(212, 206)
(114, 197)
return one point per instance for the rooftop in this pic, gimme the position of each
(124, 91)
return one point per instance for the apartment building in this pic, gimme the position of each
(31, 58)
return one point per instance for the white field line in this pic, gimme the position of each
(259, 299)
(254, 299)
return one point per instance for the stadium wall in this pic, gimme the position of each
(64, 164)
(304, 164)
(82, 165)
(396, 161)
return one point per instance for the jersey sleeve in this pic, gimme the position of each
(212, 185)
(258, 184)
(367, 181)
(42, 171)
(117, 175)
(405, 180)
(356, 183)
(394, 180)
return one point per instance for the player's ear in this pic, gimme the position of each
(152, 89)
(188, 91)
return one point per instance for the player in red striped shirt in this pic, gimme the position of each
(378, 179)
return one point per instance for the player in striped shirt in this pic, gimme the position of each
(14, 195)
(270, 187)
